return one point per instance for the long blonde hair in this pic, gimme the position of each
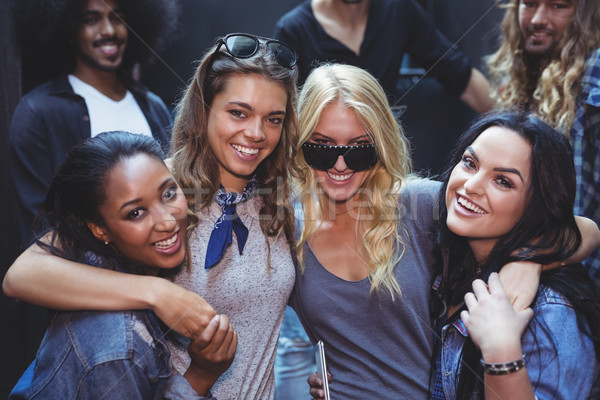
(552, 92)
(360, 92)
(195, 166)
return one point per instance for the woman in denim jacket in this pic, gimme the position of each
(114, 204)
(512, 182)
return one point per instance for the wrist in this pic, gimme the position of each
(503, 368)
(502, 353)
(200, 380)
(152, 292)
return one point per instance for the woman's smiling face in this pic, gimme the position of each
(488, 189)
(339, 126)
(145, 213)
(245, 122)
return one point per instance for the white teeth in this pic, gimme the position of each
(109, 48)
(337, 177)
(245, 150)
(539, 34)
(168, 242)
(470, 206)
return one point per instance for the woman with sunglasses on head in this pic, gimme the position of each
(232, 144)
(366, 241)
(509, 196)
(115, 205)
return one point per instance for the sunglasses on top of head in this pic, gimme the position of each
(245, 45)
(323, 156)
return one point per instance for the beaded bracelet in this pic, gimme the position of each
(503, 368)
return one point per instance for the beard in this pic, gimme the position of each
(90, 61)
(93, 63)
(547, 54)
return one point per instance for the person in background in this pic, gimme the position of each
(96, 45)
(505, 198)
(375, 35)
(232, 146)
(294, 360)
(548, 62)
(114, 204)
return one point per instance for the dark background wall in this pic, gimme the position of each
(203, 21)
(11, 343)
(432, 118)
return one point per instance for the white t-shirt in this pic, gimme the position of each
(109, 115)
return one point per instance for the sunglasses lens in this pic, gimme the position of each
(241, 46)
(357, 158)
(360, 158)
(318, 156)
(284, 55)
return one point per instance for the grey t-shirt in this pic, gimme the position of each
(377, 348)
(250, 294)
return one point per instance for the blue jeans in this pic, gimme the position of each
(294, 360)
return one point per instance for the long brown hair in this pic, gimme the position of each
(195, 166)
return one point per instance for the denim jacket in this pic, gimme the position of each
(559, 358)
(109, 355)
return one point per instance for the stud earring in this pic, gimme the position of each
(106, 242)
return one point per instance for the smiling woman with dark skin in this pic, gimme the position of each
(114, 204)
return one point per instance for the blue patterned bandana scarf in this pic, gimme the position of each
(228, 222)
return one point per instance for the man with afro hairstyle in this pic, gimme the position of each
(96, 47)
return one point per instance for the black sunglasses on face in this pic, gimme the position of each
(244, 45)
(323, 156)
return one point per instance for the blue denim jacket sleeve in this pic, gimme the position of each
(560, 358)
(92, 355)
(119, 379)
(130, 382)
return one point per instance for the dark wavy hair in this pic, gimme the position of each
(79, 189)
(547, 232)
(47, 28)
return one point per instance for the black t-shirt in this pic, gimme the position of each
(394, 27)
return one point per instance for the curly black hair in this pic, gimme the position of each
(46, 30)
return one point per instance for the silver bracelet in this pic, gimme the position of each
(503, 368)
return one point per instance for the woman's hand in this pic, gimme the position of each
(520, 281)
(212, 353)
(316, 385)
(180, 309)
(493, 325)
